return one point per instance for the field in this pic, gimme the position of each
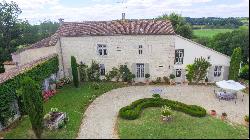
(210, 32)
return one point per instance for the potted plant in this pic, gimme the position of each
(206, 80)
(147, 78)
(223, 116)
(172, 76)
(246, 119)
(212, 112)
(166, 114)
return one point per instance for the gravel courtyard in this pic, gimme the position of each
(100, 117)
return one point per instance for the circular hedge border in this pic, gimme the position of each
(133, 111)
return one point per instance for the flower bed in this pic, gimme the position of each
(48, 94)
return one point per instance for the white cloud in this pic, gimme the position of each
(35, 10)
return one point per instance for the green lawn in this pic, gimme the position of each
(150, 126)
(210, 32)
(72, 100)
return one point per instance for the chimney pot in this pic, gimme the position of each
(61, 21)
(123, 16)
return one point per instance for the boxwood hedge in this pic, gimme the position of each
(134, 110)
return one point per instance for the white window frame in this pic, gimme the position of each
(140, 49)
(102, 50)
(180, 55)
(217, 71)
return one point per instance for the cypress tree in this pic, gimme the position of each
(33, 103)
(74, 71)
(235, 64)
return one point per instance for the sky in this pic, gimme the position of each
(36, 11)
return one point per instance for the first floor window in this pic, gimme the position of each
(102, 70)
(178, 73)
(217, 71)
(179, 55)
(102, 49)
(140, 49)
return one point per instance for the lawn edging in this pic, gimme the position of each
(133, 111)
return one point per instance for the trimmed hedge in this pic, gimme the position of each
(134, 110)
(8, 89)
(74, 71)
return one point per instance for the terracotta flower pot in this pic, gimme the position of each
(213, 113)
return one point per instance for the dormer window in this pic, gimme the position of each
(102, 49)
(140, 49)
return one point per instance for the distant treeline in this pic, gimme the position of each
(214, 22)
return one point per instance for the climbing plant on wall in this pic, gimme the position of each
(8, 89)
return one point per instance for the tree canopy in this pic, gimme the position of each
(179, 24)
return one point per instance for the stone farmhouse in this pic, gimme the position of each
(145, 46)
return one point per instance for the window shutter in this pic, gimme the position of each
(147, 68)
(182, 56)
(133, 68)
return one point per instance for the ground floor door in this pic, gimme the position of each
(178, 75)
(140, 72)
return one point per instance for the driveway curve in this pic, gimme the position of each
(100, 117)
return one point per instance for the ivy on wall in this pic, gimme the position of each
(8, 89)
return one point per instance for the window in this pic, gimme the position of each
(102, 69)
(178, 73)
(140, 70)
(140, 49)
(102, 49)
(179, 55)
(217, 71)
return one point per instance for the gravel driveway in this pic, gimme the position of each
(100, 117)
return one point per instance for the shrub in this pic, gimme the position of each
(33, 104)
(246, 118)
(172, 76)
(244, 72)
(166, 111)
(224, 114)
(158, 79)
(74, 71)
(166, 80)
(83, 72)
(133, 111)
(147, 75)
(93, 72)
(114, 73)
(125, 73)
(156, 95)
(198, 70)
(206, 79)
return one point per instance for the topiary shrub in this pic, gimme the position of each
(133, 111)
(235, 64)
(158, 80)
(33, 104)
(74, 71)
(166, 79)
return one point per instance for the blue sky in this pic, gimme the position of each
(79, 10)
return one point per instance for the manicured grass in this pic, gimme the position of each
(150, 126)
(72, 100)
(210, 32)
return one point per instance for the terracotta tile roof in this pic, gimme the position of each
(106, 28)
(20, 69)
